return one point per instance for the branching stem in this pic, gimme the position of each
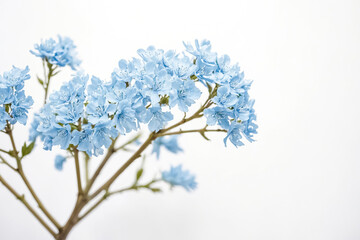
(25, 180)
(21, 198)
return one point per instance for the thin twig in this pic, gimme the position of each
(21, 198)
(7, 163)
(87, 159)
(136, 155)
(25, 180)
(191, 131)
(128, 142)
(78, 174)
(109, 153)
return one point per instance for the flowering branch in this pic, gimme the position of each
(87, 119)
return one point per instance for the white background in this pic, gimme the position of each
(300, 180)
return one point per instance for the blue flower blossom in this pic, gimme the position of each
(20, 107)
(63, 136)
(171, 144)
(14, 105)
(218, 115)
(151, 54)
(15, 78)
(46, 49)
(6, 94)
(61, 53)
(157, 83)
(59, 162)
(158, 118)
(103, 132)
(182, 67)
(184, 93)
(225, 98)
(125, 120)
(205, 60)
(84, 140)
(4, 117)
(234, 134)
(176, 176)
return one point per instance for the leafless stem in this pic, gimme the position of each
(21, 198)
(25, 180)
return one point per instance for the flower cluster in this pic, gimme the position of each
(143, 91)
(61, 53)
(176, 176)
(233, 110)
(14, 105)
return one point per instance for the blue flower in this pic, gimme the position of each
(61, 53)
(224, 97)
(125, 117)
(182, 67)
(218, 115)
(99, 110)
(4, 117)
(157, 83)
(6, 95)
(70, 113)
(63, 136)
(202, 51)
(97, 89)
(46, 49)
(20, 107)
(70, 92)
(170, 144)
(205, 60)
(14, 105)
(46, 120)
(158, 118)
(234, 134)
(103, 132)
(59, 162)
(151, 54)
(238, 84)
(249, 126)
(176, 176)
(184, 93)
(15, 78)
(84, 140)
